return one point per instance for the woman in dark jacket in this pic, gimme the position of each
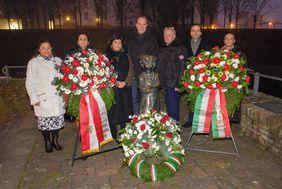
(122, 109)
(172, 58)
(82, 43)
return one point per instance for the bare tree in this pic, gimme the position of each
(5, 8)
(201, 6)
(187, 12)
(58, 7)
(212, 9)
(120, 7)
(256, 8)
(241, 9)
(100, 7)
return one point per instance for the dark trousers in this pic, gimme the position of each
(135, 97)
(172, 101)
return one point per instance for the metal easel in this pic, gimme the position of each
(211, 151)
(83, 157)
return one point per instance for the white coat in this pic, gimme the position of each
(39, 76)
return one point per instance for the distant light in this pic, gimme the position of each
(67, 18)
(270, 23)
(231, 25)
(97, 19)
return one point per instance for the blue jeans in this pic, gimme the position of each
(172, 101)
(135, 97)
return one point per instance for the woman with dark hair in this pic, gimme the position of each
(48, 105)
(82, 43)
(122, 109)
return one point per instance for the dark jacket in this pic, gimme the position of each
(203, 46)
(171, 64)
(141, 44)
(122, 108)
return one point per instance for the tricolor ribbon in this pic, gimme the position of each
(153, 172)
(211, 108)
(138, 167)
(94, 124)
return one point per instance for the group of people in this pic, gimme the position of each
(124, 54)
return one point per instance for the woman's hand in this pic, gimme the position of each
(120, 84)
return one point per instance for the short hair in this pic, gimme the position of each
(116, 37)
(170, 29)
(231, 33)
(141, 16)
(196, 25)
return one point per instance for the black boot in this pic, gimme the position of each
(48, 145)
(55, 143)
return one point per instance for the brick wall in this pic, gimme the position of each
(261, 125)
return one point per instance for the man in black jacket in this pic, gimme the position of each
(140, 41)
(194, 47)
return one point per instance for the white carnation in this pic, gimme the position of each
(75, 79)
(231, 75)
(207, 53)
(67, 91)
(239, 86)
(192, 77)
(202, 86)
(70, 76)
(237, 79)
(235, 66)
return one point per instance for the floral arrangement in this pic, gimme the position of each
(84, 71)
(216, 69)
(148, 137)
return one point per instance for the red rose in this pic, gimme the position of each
(242, 68)
(215, 47)
(84, 77)
(198, 55)
(98, 77)
(223, 77)
(227, 52)
(75, 71)
(226, 67)
(201, 70)
(197, 83)
(143, 127)
(102, 86)
(73, 86)
(216, 60)
(145, 145)
(218, 85)
(191, 72)
(111, 69)
(75, 63)
(168, 135)
(234, 84)
(185, 84)
(196, 63)
(92, 83)
(84, 52)
(205, 78)
(236, 56)
(248, 79)
(66, 69)
(134, 119)
(65, 79)
(209, 86)
(206, 62)
(166, 117)
(163, 120)
(113, 79)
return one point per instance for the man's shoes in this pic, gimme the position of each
(187, 124)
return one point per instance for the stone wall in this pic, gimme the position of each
(261, 125)
(13, 99)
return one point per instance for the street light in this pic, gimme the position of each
(98, 21)
(231, 25)
(67, 18)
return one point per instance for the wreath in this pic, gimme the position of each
(151, 145)
(83, 71)
(216, 69)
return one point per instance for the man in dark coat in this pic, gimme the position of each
(172, 59)
(194, 47)
(229, 44)
(140, 41)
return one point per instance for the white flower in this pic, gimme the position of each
(217, 54)
(75, 79)
(192, 77)
(207, 53)
(83, 83)
(202, 86)
(80, 70)
(231, 75)
(78, 92)
(214, 85)
(70, 76)
(239, 86)
(235, 66)
(200, 79)
(86, 65)
(131, 152)
(237, 79)
(67, 91)
(126, 154)
(190, 87)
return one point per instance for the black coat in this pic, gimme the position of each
(122, 108)
(203, 46)
(171, 62)
(141, 44)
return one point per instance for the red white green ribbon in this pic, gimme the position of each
(174, 159)
(211, 108)
(171, 166)
(132, 159)
(94, 124)
(138, 167)
(153, 172)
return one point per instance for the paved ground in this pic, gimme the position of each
(24, 164)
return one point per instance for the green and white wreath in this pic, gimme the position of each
(151, 144)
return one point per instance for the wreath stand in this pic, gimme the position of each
(83, 157)
(212, 151)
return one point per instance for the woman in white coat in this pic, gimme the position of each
(48, 105)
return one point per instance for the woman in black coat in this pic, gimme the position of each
(171, 59)
(122, 109)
